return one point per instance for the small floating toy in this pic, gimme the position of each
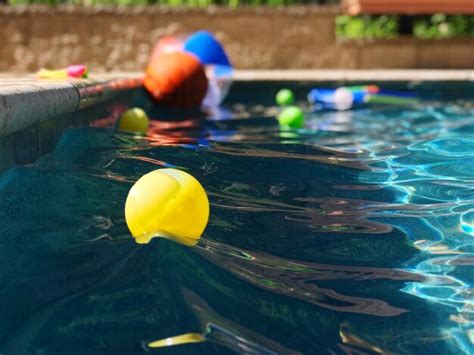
(134, 120)
(291, 117)
(284, 97)
(176, 80)
(167, 203)
(72, 71)
(345, 98)
(204, 46)
(342, 98)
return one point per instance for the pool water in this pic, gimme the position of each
(354, 235)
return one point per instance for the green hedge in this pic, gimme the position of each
(436, 26)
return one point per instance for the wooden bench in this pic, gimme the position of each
(407, 7)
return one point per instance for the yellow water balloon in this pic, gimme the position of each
(134, 120)
(167, 203)
(188, 338)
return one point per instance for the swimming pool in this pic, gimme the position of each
(353, 235)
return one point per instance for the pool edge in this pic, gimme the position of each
(371, 75)
(20, 96)
(48, 98)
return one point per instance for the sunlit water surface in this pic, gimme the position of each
(354, 235)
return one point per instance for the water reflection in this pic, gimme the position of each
(229, 334)
(299, 280)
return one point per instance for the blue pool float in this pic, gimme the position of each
(345, 98)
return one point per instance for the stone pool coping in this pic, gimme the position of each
(355, 75)
(21, 96)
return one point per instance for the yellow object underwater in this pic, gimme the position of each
(134, 120)
(178, 340)
(167, 203)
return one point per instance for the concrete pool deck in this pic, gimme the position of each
(22, 95)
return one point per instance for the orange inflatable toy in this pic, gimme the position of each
(176, 80)
(167, 44)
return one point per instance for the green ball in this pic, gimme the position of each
(284, 97)
(291, 117)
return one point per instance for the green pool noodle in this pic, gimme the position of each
(391, 100)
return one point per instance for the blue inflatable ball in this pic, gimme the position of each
(207, 48)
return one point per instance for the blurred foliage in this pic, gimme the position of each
(442, 26)
(436, 26)
(366, 26)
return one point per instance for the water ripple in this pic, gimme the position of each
(352, 235)
(298, 279)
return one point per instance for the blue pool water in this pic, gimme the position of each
(354, 235)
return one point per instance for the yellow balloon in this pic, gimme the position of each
(178, 340)
(134, 120)
(167, 203)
